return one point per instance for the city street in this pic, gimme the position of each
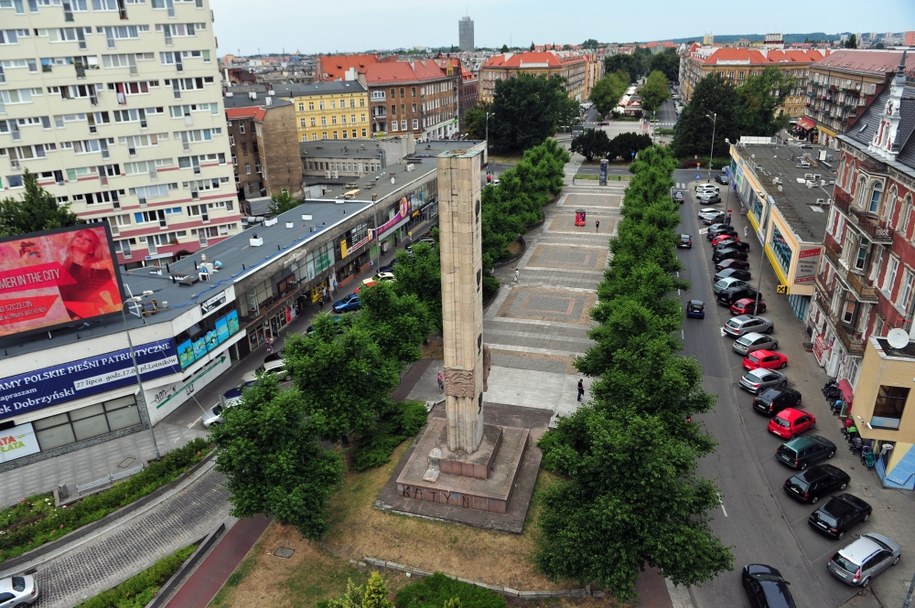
(756, 518)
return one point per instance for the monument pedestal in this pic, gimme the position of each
(483, 480)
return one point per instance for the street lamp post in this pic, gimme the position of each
(714, 117)
(141, 397)
(488, 115)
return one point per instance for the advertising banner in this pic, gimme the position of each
(56, 278)
(58, 384)
(17, 442)
(192, 350)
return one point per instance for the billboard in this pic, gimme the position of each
(49, 279)
(58, 384)
(193, 349)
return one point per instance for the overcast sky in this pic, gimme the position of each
(341, 26)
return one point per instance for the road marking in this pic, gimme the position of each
(721, 502)
(193, 424)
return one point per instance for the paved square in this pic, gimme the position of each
(566, 223)
(613, 199)
(565, 257)
(554, 305)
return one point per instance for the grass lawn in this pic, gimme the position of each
(320, 570)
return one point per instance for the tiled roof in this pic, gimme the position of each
(520, 60)
(403, 71)
(334, 67)
(335, 87)
(869, 62)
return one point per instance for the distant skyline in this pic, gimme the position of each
(348, 26)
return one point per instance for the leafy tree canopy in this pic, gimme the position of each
(528, 109)
(269, 453)
(282, 202)
(36, 211)
(590, 43)
(655, 90)
(591, 143)
(668, 63)
(713, 97)
(607, 91)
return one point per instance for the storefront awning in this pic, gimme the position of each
(805, 123)
(848, 394)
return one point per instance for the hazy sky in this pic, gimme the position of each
(338, 26)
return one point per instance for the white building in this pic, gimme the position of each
(116, 106)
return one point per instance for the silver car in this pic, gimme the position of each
(18, 591)
(757, 380)
(747, 343)
(857, 563)
(723, 284)
(744, 324)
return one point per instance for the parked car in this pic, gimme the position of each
(810, 485)
(708, 198)
(389, 267)
(274, 356)
(725, 237)
(728, 254)
(765, 587)
(213, 415)
(685, 241)
(707, 212)
(732, 294)
(791, 422)
(839, 515)
(734, 243)
(706, 187)
(381, 277)
(757, 380)
(745, 324)
(19, 590)
(695, 309)
(748, 306)
(859, 562)
(801, 452)
(715, 219)
(275, 368)
(766, 359)
(725, 264)
(719, 228)
(723, 178)
(737, 273)
(678, 196)
(774, 400)
(349, 303)
(723, 284)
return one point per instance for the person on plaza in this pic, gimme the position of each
(269, 345)
(517, 274)
(440, 378)
(581, 388)
(746, 231)
(596, 225)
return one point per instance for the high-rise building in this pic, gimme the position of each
(116, 106)
(465, 34)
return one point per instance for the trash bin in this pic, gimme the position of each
(581, 217)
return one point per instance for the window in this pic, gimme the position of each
(861, 258)
(888, 407)
(241, 129)
(876, 193)
(247, 168)
(905, 290)
(889, 278)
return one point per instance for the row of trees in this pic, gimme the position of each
(643, 61)
(628, 494)
(624, 146)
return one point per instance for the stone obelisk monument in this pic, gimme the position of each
(459, 184)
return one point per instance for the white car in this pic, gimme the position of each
(709, 198)
(708, 212)
(703, 187)
(277, 368)
(214, 414)
(18, 591)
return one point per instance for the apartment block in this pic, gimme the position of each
(572, 68)
(116, 106)
(330, 110)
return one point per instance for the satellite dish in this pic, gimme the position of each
(898, 338)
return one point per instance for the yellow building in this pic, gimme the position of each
(880, 405)
(330, 110)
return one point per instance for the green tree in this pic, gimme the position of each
(607, 91)
(373, 594)
(528, 109)
(398, 323)
(761, 98)
(37, 210)
(273, 463)
(282, 202)
(627, 145)
(419, 274)
(475, 122)
(344, 380)
(852, 42)
(590, 43)
(713, 96)
(655, 90)
(504, 49)
(668, 63)
(591, 143)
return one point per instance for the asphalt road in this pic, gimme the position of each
(755, 518)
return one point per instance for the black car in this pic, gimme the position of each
(773, 400)
(732, 263)
(685, 241)
(839, 515)
(732, 273)
(678, 196)
(801, 452)
(722, 178)
(389, 267)
(732, 294)
(729, 253)
(765, 587)
(733, 244)
(816, 482)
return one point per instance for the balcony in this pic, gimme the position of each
(853, 342)
(855, 282)
(876, 231)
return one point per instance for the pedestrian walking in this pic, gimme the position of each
(581, 388)
(321, 302)
(269, 345)
(517, 274)
(597, 226)
(746, 231)
(441, 381)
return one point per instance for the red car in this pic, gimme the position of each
(747, 306)
(767, 359)
(791, 422)
(721, 238)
